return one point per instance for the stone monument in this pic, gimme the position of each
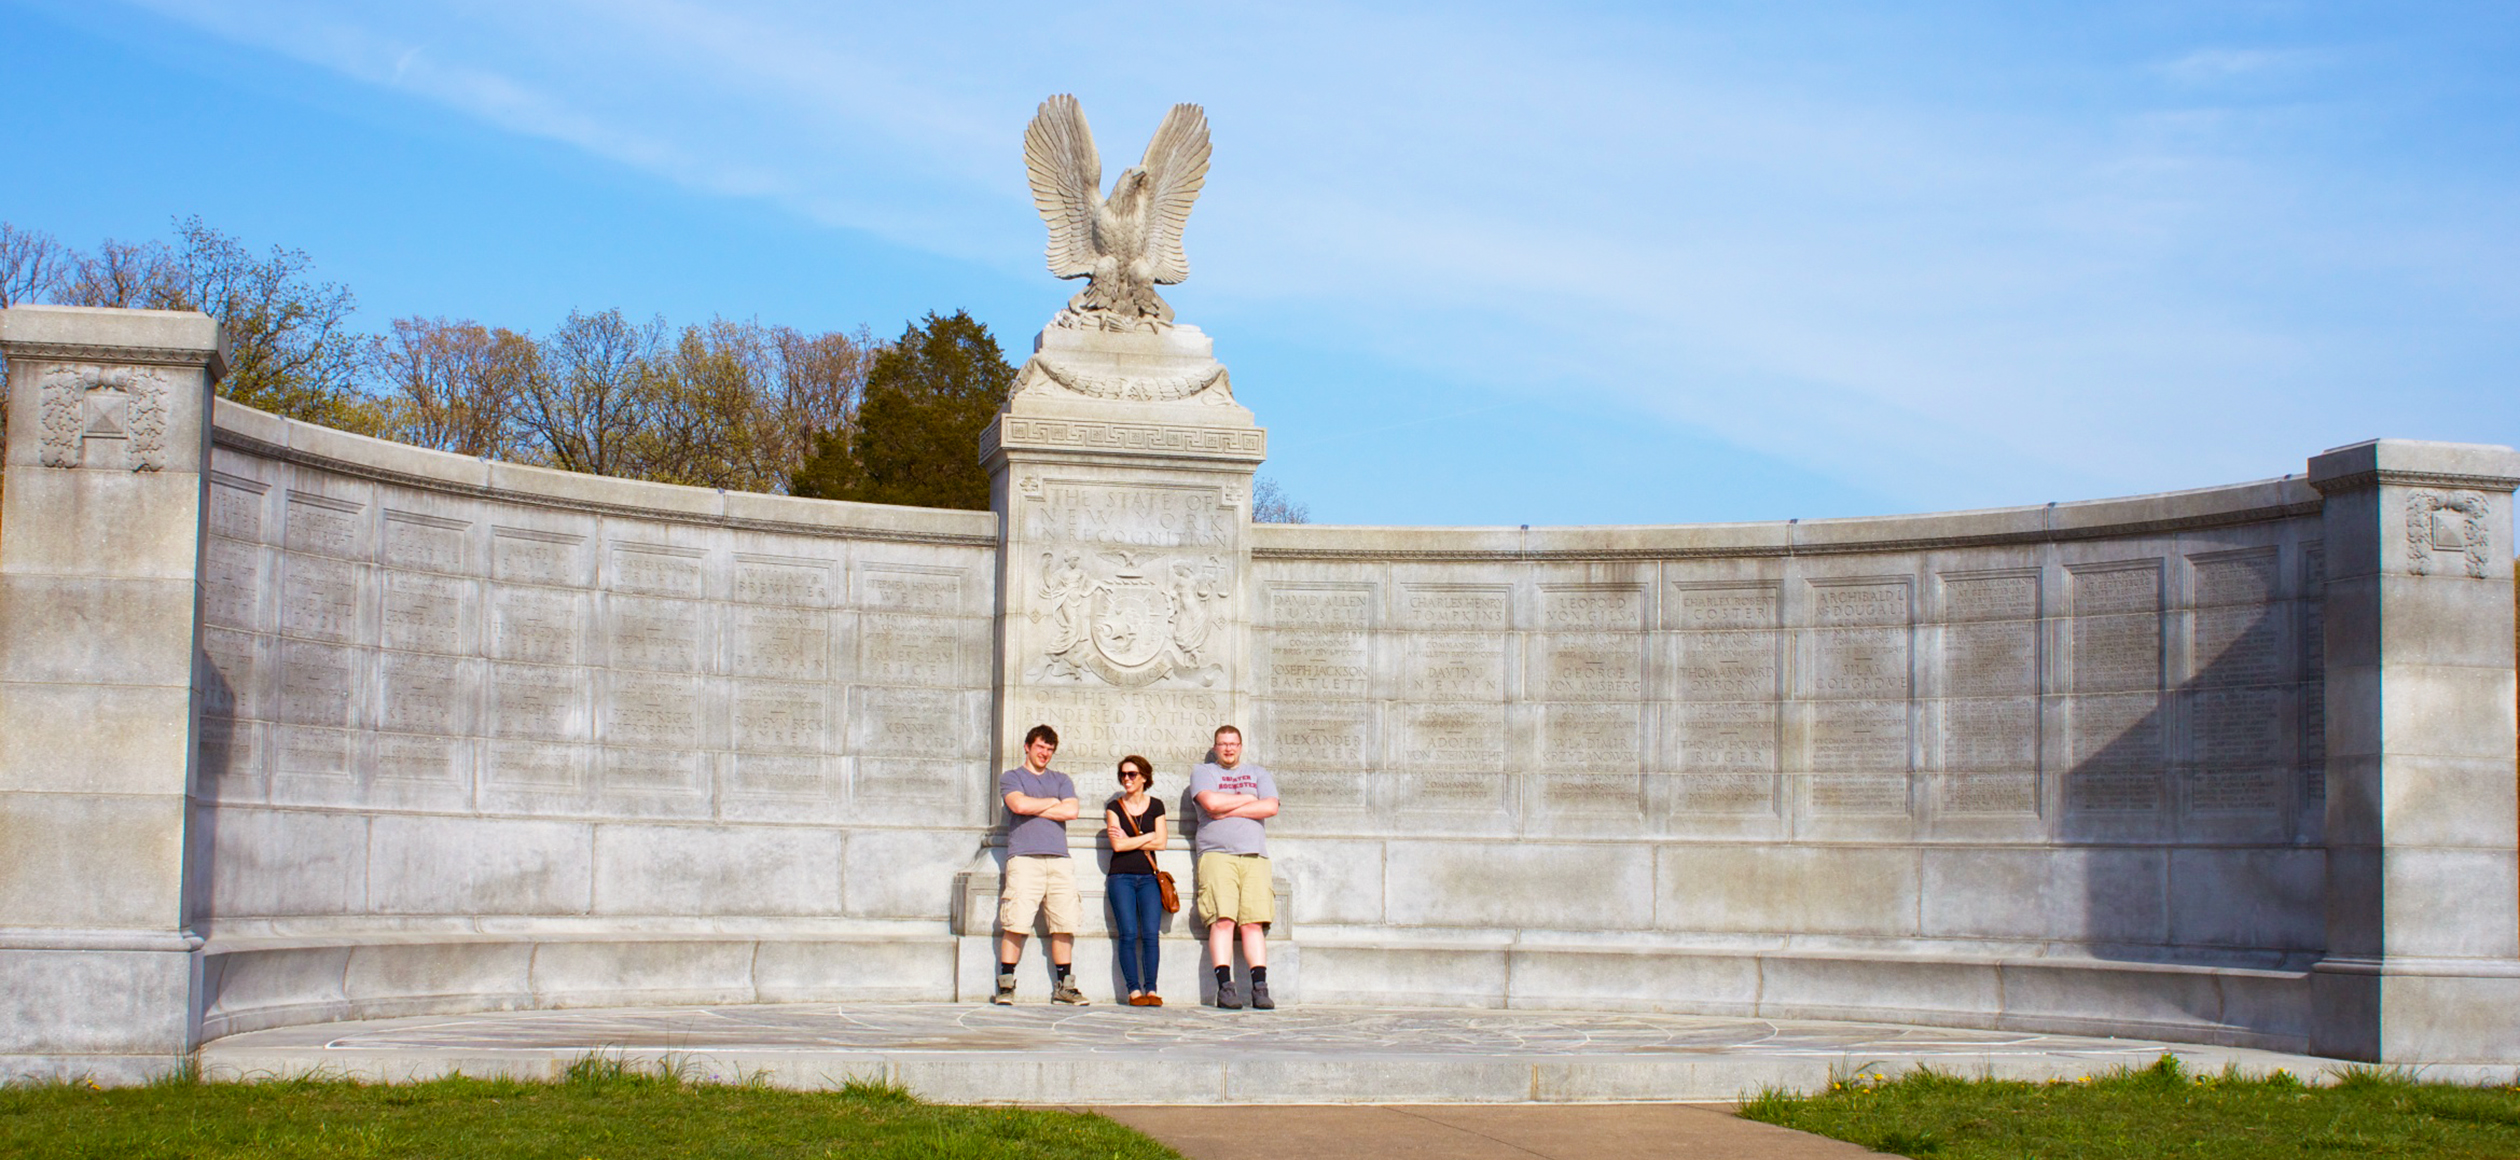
(1122, 471)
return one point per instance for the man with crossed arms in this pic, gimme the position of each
(1235, 801)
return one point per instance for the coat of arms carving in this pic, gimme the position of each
(1129, 617)
(103, 417)
(2453, 524)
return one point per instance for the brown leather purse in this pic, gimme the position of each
(1164, 886)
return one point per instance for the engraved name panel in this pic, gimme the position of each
(231, 583)
(533, 624)
(910, 590)
(530, 702)
(422, 543)
(1859, 663)
(424, 693)
(1594, 737)
(231, 688)
(1318, 664)
(926, 723)
(319, 598)
(1721, 609)
(656, 570)
(1991, 734)
(658, 635)
(316, 682)
(1456, 667)
(533, 766)
(898, 651)
(235, 507)
(420, 760)
(1322, 607)
(1843, 605)
(1726, 737)
(793, 583)
(2117, 742)
(1331, 738)
(1601, 609)
(1730, 666)
(1967, 598)
(1455, 608)
(522, 556)
(2238, 751)
(1991, 658)
(1593, 667)
(2117, 629)
(670, 771)
(782, 643)
(653, 711)
(426, 613)
(1453, 737)
(778, 718)
(322, 525)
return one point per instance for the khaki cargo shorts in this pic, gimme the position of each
(1236, 886)
(1039, 885)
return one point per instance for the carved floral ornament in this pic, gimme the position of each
(2452, 524)
(122, 408)
(1129, 617)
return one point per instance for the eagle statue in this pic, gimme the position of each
(1129, 243)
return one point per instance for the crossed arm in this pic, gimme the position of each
(1217, 803)
(1055, 809)
(1152, 839)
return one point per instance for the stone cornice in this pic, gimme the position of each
(152, 356)
(1103, 437)
(248, 445)
(2041, 536)
(2390, 477)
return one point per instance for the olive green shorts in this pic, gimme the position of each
(1236, 886)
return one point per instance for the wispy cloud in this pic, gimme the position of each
(1785, 234)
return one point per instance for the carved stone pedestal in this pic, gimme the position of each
(1121, 470)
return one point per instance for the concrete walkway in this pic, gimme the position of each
(1474, 1132)
(1099, 1055)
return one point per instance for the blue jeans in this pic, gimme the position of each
(1137, 908)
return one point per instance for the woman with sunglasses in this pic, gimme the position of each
(1134, 821)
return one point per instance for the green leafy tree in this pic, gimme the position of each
(917, 436)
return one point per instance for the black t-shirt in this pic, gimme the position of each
(1142, 860)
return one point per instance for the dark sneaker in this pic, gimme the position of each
(1067, 993)
(1260, 1000)
(1005, 996)
(1227, 997)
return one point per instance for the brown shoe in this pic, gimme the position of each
(1151, 999)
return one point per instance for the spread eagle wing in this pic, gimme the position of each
(1176, 166)
(1066, 182)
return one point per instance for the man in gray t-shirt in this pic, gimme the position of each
(1236, 799)
(1040, 878)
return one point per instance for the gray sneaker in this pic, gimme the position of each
(1260, 1000)
(1066, 992)
(1005, 996)
(1227, 997)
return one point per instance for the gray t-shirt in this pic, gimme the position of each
(1231, 835)
(1032, 833)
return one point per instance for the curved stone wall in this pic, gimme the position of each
(2000, 768)
(477, 735)
(2232, 765)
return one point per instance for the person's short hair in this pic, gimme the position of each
(1222, 730)
(1146, 769)
(1041, 733)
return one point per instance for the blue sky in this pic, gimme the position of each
(1470, 264)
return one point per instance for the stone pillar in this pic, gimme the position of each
(2423, 860)
(100, 543)
(1121, 472)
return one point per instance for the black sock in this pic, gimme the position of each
(1224, 977)
(1006, 971)
(1259, 974)
(1059, 971)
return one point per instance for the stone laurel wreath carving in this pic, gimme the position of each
(1130, 618)
(82, 402)
(1129, 243)
(2451, 523)
(1129, 387)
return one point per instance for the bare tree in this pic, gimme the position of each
(32, 266)
(453, 386)
(1271, 505)
(591, 392)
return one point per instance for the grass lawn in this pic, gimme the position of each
(601, 1110)
(2159, 1111)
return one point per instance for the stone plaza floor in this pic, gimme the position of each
(1106, 1054)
